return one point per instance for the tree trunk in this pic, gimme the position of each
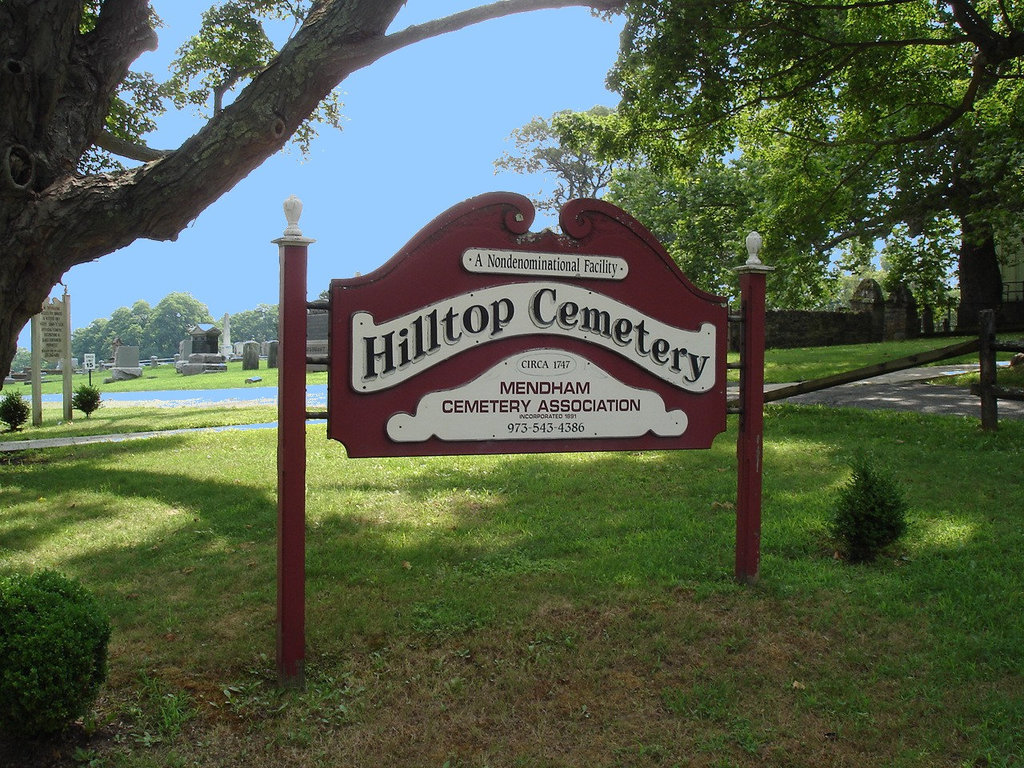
(56, 84)
(981, 282)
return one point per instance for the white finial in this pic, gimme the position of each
(754, 241)
(292, 212)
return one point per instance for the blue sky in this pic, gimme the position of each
(423, 128)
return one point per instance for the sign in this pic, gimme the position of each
(52, 330)
(89, 361)
(480, 336)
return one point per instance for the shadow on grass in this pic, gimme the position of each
(445, 545)
(513, 590)
(56, 490)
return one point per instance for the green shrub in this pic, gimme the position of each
(86, 399)
(13, 410)
(53, 652)
(870, 512)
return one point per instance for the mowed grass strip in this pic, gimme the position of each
(563, 610)
(118, 419)
(163, 377)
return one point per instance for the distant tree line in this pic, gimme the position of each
(156, 330)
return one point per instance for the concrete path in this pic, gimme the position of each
(908, 391)
(900, 391)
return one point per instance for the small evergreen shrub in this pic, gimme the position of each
(86, 399)
(870, 512)
(53, 653)
(13, 410)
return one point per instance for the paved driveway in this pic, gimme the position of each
(907, 391)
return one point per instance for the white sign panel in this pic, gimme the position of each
(496, 262)
(539, 394)
(389, 353)
(89, 361)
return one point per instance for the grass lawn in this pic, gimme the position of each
(566, 610)
(1005, 377)
(165, 377)
(111, 419)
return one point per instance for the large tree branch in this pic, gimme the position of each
(375, 49)
(128, 149)
(164, 195)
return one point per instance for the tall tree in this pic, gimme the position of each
(700, 216)
(155, 330)
(172, 318)
(259, 324)
(68, 90)
(861, 116)
(577, 171)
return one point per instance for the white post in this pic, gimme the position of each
(67, 369)
(37, 364)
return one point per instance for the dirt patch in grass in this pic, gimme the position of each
(732, 679)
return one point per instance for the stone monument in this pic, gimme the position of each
(251, 356)
(126, 363)
(225, 339)
(204, 352)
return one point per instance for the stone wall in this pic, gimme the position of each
(871, 318)
(786, 328)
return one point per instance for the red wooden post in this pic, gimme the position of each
(749, 443)
(291, 452)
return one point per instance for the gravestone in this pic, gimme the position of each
(868, 298)
(251, 356)
(200, 352)
(205, 339)
(901, 320)
(126, 364)
(271, 354)
(317, 324)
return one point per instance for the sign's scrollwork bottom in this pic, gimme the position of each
(573, 399)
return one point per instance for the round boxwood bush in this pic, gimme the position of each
(870, 512)
(13, 410)
(53, 653)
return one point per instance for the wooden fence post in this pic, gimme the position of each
(987, 366)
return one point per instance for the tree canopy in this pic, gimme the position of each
(537, 148)
(155, 330)
(71, 105)
(857, 118)
(258, 324)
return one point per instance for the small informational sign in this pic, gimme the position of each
(89, 361)
(52, 330)
(482, 337)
